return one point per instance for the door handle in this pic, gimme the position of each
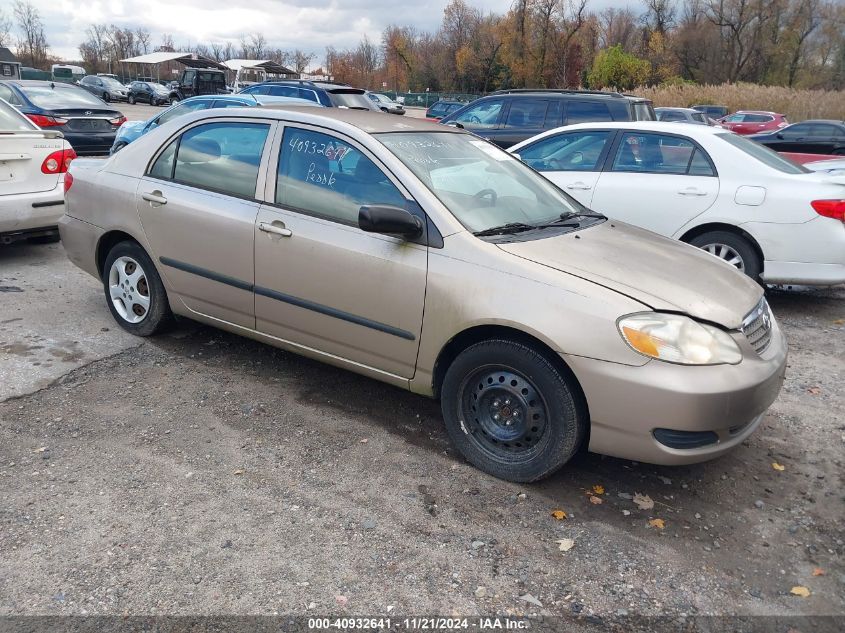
(692, 192)
(154, 197)
(581, 186)
(276, 230)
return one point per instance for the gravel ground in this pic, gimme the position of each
(202, 473)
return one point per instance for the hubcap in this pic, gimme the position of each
(504, 413)
(729, 254)
(129, 290)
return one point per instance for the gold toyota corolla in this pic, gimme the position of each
(422, 256)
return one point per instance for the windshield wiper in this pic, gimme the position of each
(504, 229)
(568, 215)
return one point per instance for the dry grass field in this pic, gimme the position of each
(797, 105)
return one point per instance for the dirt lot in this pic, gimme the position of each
(202, 473)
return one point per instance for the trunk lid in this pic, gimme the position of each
(661, 273)
(21, 157)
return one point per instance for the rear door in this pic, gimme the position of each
(656, 181)
(482, 117)
(526, 117)
(571, 160)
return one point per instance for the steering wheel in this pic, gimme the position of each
(485, 193)
(474, 119)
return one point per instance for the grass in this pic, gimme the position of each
(797, 105)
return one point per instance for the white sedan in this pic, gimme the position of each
(33, 164)
(774, 220)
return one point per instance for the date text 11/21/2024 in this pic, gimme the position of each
(418, 623)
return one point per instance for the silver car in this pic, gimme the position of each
(425, 257)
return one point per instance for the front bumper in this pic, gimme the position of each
(628, 403)
(24, 213)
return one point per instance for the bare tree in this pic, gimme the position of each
(142, 36)
(217, 51)
(5, 29)
(301, 60)
(32, 44)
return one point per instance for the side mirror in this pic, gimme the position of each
(779, 135)
(389, 220)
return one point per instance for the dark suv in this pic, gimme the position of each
(326, 93)
(507, 117)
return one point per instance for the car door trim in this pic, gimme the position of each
(285, 298)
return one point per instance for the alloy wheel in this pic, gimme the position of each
(727, 253)
(129, 289)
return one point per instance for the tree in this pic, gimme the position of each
(5, 29)
(614, 68)
(32, 44)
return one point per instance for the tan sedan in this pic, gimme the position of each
(422, 256)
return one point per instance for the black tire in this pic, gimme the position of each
(130, 99)
(44, 239)
(106, 97)
(174, 100)
(158, 316)
(750, 260)
(546, 402)
(118, 147)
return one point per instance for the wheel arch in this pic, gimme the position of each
(108, 241)
(701, 229)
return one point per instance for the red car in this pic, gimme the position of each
(753, 122)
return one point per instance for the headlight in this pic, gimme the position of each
(678, 339)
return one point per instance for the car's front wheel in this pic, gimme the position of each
(174, 100)
(131, 99)
(106, 97)
(733, 248)
(511, 411)
(134, 291)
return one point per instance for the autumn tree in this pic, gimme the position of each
(32, 47)
(614, 68)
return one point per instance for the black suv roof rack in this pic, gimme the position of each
(309, 82)
(558, 91)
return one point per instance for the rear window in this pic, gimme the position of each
(61, 97)
(644, 111)
(757, 118)
(350, 99)
(768, 157)
(586, 112)
(11, 119)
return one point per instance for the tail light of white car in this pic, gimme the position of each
(42, 120)
(58, 162)
(830, 208)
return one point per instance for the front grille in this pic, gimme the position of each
(89, 125)
(757, 326)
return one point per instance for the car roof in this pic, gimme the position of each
(827, 121)
(666, 127)
(677, 109)
(37, 82)
(758, 112)
(560, 94)
(366, 120)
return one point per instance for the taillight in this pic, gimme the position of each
(68, 181)
(58, 162)
(117, 122)
(42, 120)
(830, 208)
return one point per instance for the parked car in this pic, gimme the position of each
(331, 95)
(683, 115)
(818, 136)
(722, 192)
(829, 166)
(107, 88)
(506, 117)
(33, 163)
(131, 130)
(198, 81)
(385, 103)
(715, 112)
(85, 121)
(441, 108)
(434, 261)
(148, 92)
(749, 122)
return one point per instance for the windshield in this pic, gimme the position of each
(64, 97)
(112, 83)
(11, 119)
(351, 100)
(768, 157)
(482, 185)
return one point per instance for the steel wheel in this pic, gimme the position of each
(506, 414)
(728, 253)
(129, 289)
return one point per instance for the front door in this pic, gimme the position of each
(321, 282)
(197, 206)
(656, 181)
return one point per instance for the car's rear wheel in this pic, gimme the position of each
(134, 291)
(732, 248)
(511, 412)
(174, 100)
(106, 97)
(131, 99)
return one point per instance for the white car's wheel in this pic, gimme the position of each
(732, 248)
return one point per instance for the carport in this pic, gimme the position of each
(169, 59)
(249, 71)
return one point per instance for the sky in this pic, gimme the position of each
(287, 24)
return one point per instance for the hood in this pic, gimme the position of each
(664, 274)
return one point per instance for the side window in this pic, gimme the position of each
(482, 115)
(757, 118)
(822, 130)
(697, 116)
(221, 156)
(189, 76)
(735, 118)
(163, 167)
(659, 154)
(184, 108)
(282, 91)
(222, 103)
(7, 94)
(327, 177)
(526, 113)
(573, 151)
(579, 111)
(670, 115)
(554, 115)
